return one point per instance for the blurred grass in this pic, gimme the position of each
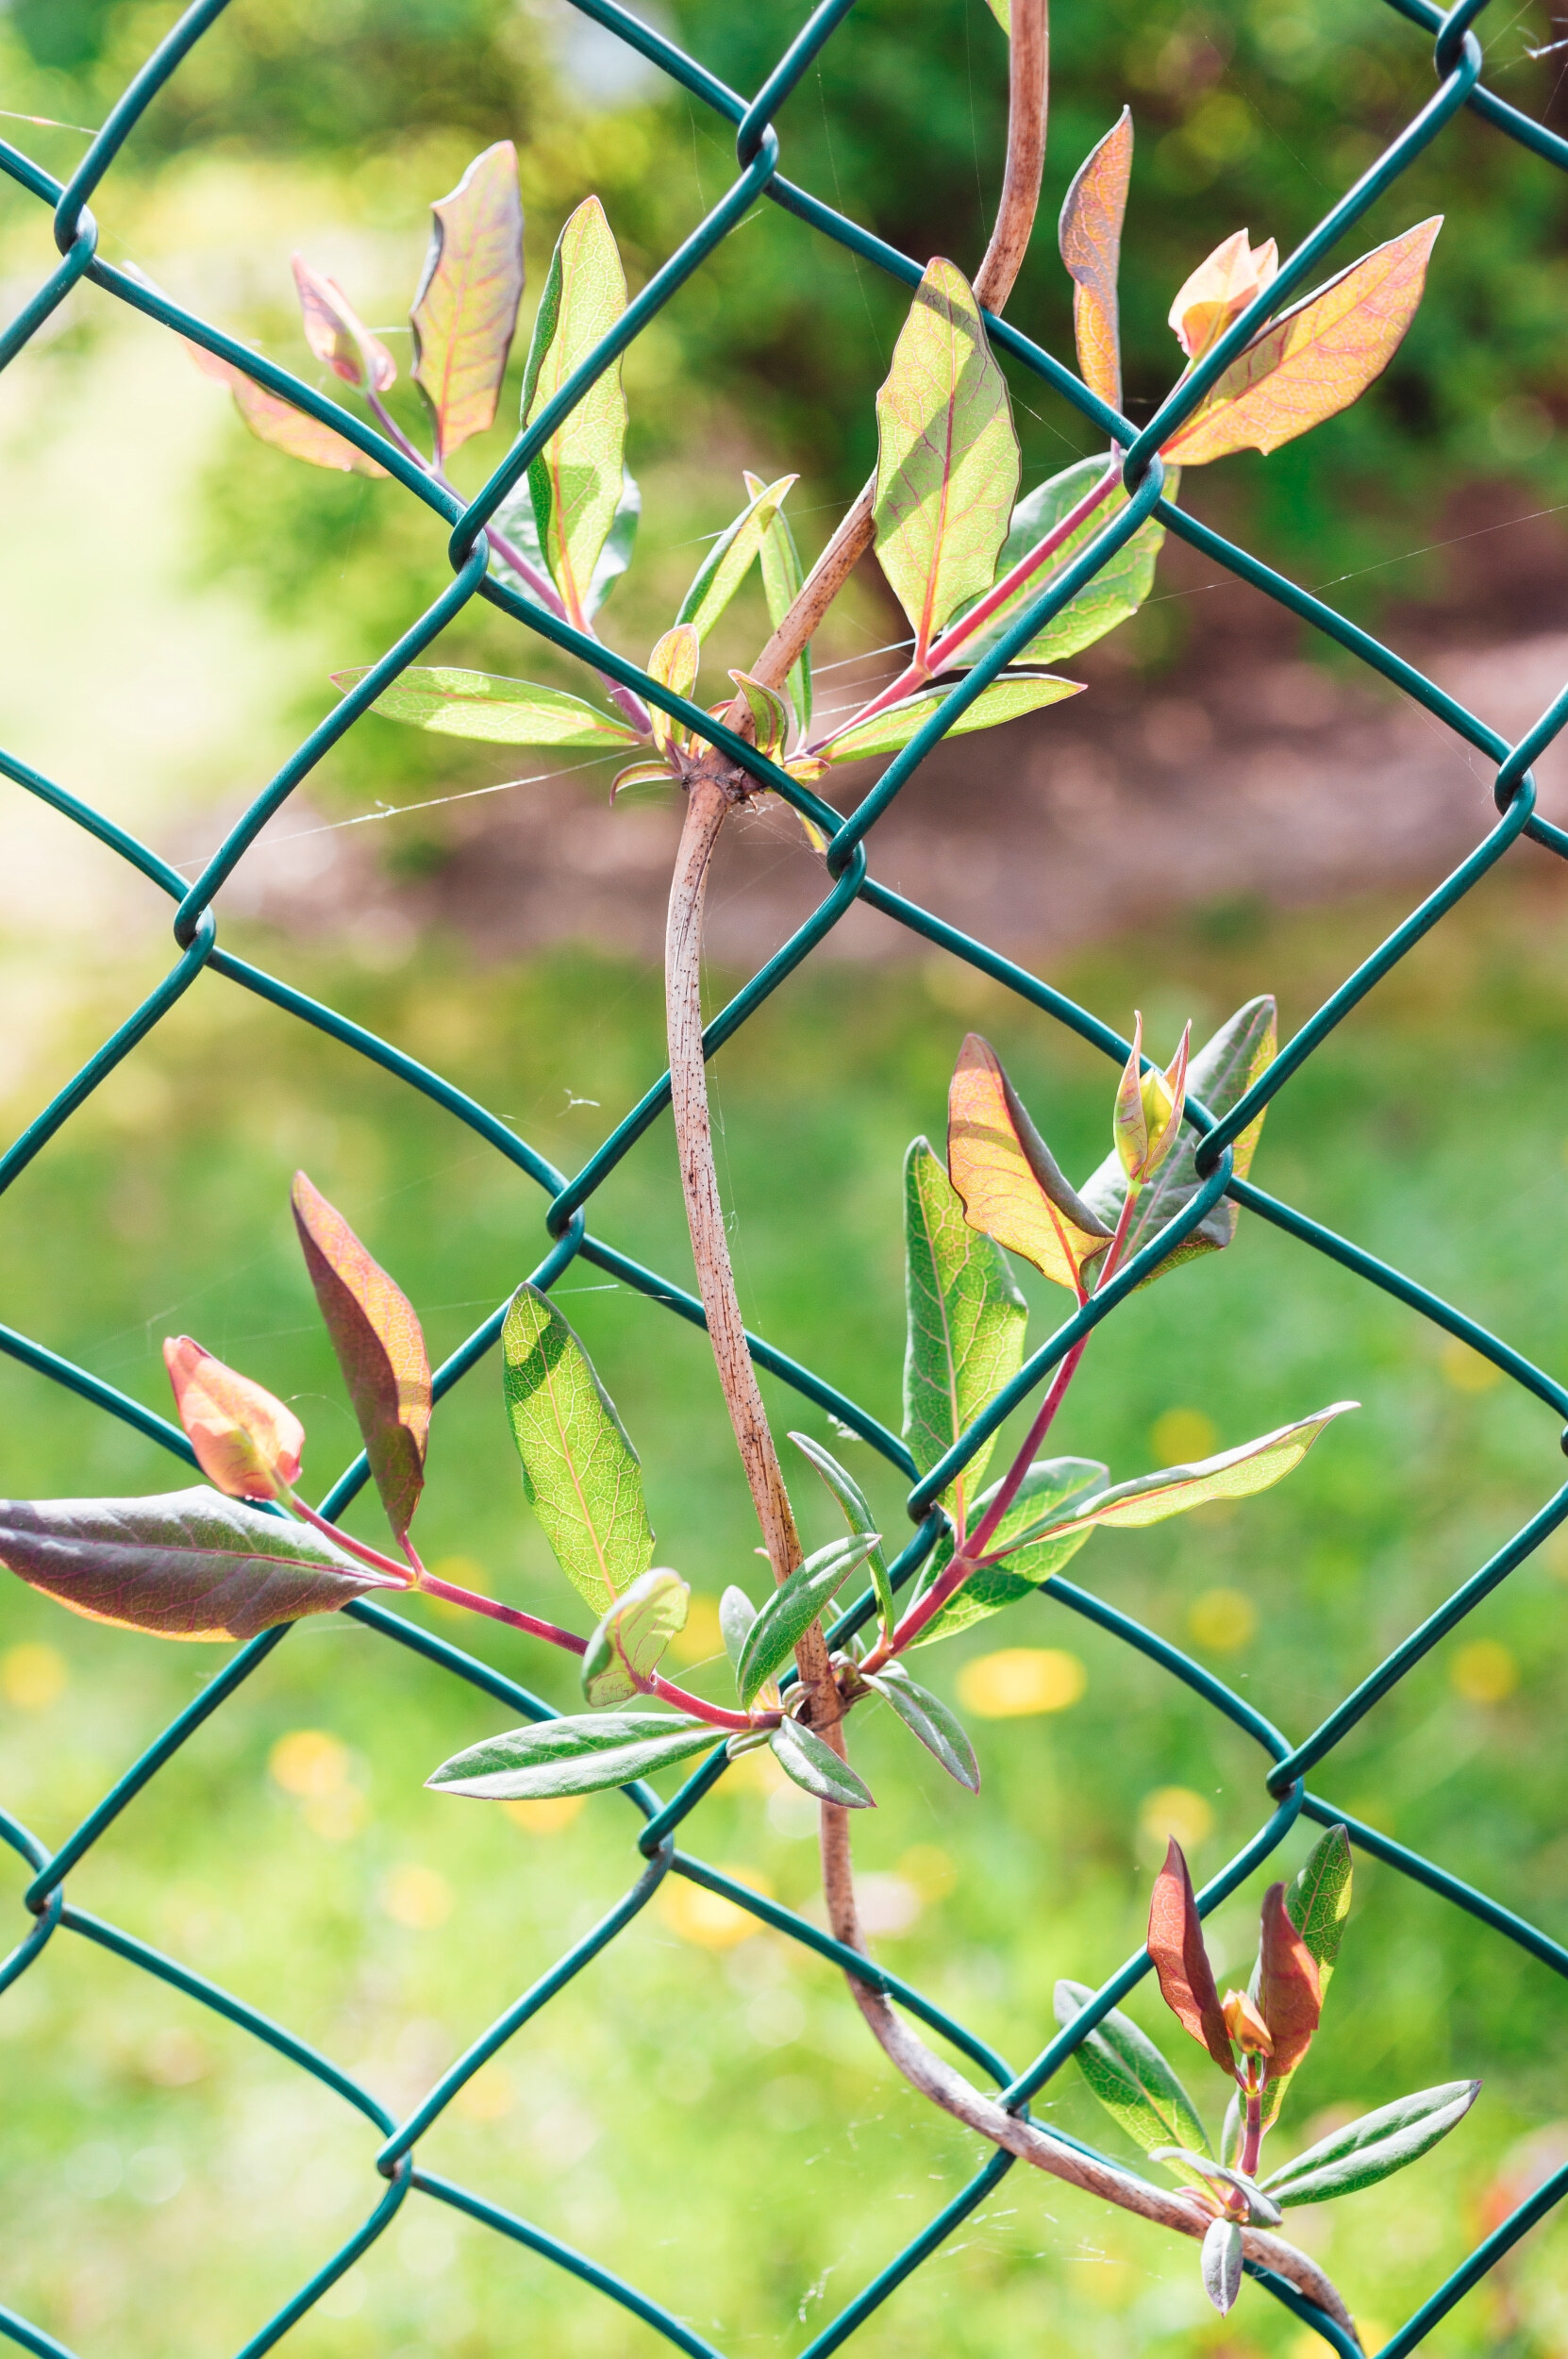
(708, 2114)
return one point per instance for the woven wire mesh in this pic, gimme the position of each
(1458, 62)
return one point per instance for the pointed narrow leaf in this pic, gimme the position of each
(782, 575)
(1007, 700)
(575, 480)
(337, 334)
(802, 1755)
(640, 774)
(736, 1615)
(936, 1725)
(770, 719)
(465, 311)
(1090, 236)
(732, 556)
(966, 1321)
(625, 1651)
(1289, 1990)
(246, 1443)
(185, 1564)
(535, 1764)
(1262, 2210)
(1374, 2147)
(858, 1516)
(1011, 1187)
(1319, 1900)
(454, 703)
(1219, 1076)
(280, 424)
(1116, 592)
(948, 457)
(793, 1607)
(580, 1474)
(673, 665)
(1235, 1474)
(1317, 359)
(1176, 1945)
(1033, 1549)
(1133, 2080)
(1222, 2264)
(381, 1349)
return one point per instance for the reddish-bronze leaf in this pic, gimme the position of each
(1090, 236)
(380, 1351)
(337, 334)
(1006, 1174)
(1289, 1989)
(465, 313)
(279, 423)
(1182, 1960)
(245, 1441)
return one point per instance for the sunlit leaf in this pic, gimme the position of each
(640, 774)
(736, 1615)
(1289, 1989)
(1221, 2262)
(245, 1441)
(186, 1564)
(770, 721)
(1008, 1177)
(1262, 2210)
(625, 1651)
(465, 311)
(858, 1516)
(782, 575)
(732, 556)
(1176, 1945)
(336, 333)
(580, 1474)
(802, 1755)
(966, 1321)
(935, 1723)
(794, 1605)
(1116, 592)
(1007, 698)
(1132, 2080)
(454, 703)
(381, 1349)
(1315, 361)
(515, 520)
(1002, 11)
(1147, 1121)
(1090, 236)
(581, 1756)
(575, 480)
(948, 457)
(280, 424)
(1220, 290)
(673, 665)
(1235, 1474)
(1219, 1076)
(1048, 1491)
(1319, 1900)
(1374, 2147)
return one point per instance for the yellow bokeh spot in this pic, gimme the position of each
(1020, 1680)
(1222, 1620)
(707, 1917)
(930, 1869)
(489, 2097)
(1467, 1370)
(1176, 1809)
(310, 1764)
(32, 1676)
(1485, 1672)
(463, 1573)
(336, 1817)
(547, 1815)
(419, 1898)
(701, 1636)
(1183, 1434)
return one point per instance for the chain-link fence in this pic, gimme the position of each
(1458, 61)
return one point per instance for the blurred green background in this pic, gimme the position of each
(703, 2109)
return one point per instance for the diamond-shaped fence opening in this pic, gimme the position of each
(566, 1199)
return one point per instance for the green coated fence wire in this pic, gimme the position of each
(1284, 1766)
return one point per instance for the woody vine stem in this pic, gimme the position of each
(712, 791)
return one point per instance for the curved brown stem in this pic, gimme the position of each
(930, 2078)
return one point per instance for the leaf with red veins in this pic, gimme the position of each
(336, 333)
(1090, 236)
(1175, 1945)
(246, 1443)
(465, 313)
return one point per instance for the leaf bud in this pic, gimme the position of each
(1220, 290)
(248, 1443)
(1245, 2025)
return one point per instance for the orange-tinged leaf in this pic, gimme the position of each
(1245, 2025)
(1090, 236)
(380, 1351)
(1181, 1961)
(1220, 290)
(1007, 1176)
(465, 313)
(673, 664)
(279, 423)
(1289, 1989)
(337, 334)
(1317, 359)
(246, 1442)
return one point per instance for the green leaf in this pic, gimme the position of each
(575, 481)
(1220, 1075)
(858, 1516)
(673, 664)
(1235, 1474)
(1374, 2147)
(580, 1474)
(1133, 2082)
(573, 1756)
(1049, 1488)
(948, 457)
(1318, 1902)
(770, 718)
(938, 1727)
(1006, 700)
(803, 1756)
(625, 1651)
(465, 311)
(1221, 2263)
(1262, 2210)
(966, 1321)
(453, 703)
(517, 523)
(184, 1565)
(736, 1615)
(792, 1608)
(782, 577)
(731, 557)
(1117, 591)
